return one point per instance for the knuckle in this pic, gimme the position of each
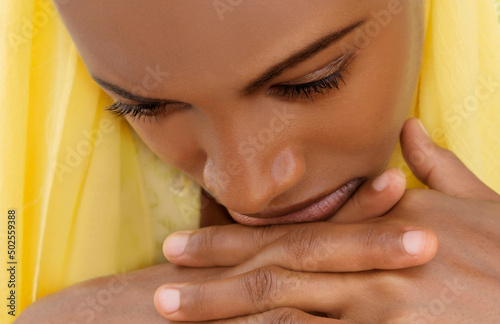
(285, 315)
(372, 239)
(381, 285)
(379, 240)
(200, 299)
(447, 154)
(389, 285)
(206, 241)
(262, 287)
(261, 236)
(300, 244)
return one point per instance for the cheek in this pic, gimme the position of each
(360, 125)
(173, 139)
(349, 133)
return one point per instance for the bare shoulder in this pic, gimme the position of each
(122, 298)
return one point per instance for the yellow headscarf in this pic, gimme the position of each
(90, 199)
(458, 96)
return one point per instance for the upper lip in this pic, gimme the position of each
(280, 213)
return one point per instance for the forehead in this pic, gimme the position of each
(199, 39)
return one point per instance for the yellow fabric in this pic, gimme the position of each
(458, 96)
(74, 174)
(91, 199)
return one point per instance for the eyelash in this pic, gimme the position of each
(305, 91)
(148, 111)
(308, 91)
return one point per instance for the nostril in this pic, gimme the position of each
(257, 184)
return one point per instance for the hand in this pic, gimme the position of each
(127, 298)
(460, 284)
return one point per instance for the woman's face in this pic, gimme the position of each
(268, 105)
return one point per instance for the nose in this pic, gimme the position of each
(248, 185)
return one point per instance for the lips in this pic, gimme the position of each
(319, 210)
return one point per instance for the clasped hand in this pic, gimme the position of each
(376, 261)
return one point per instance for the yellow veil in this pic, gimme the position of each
(85, 197)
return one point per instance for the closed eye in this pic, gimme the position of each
(289, 90)
(148, 111)
(309, 90)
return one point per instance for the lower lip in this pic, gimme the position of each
(318, 211)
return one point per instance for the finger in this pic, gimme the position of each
(218, 246)
(278, 315)
(310, 247)
(329, 247)
(438, 168)
(231, 245)
(255, 292)
(281, 315)
(373, 198)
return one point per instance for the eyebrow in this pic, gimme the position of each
(296, 58)
(300, 57)
(130, 95)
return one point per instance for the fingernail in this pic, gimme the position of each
(380, 182)
(175, 245)
(414, 242)
(169, 300)
(423, 127)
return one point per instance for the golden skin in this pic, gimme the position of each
(238, 146)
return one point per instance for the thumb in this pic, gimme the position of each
(439, 168)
